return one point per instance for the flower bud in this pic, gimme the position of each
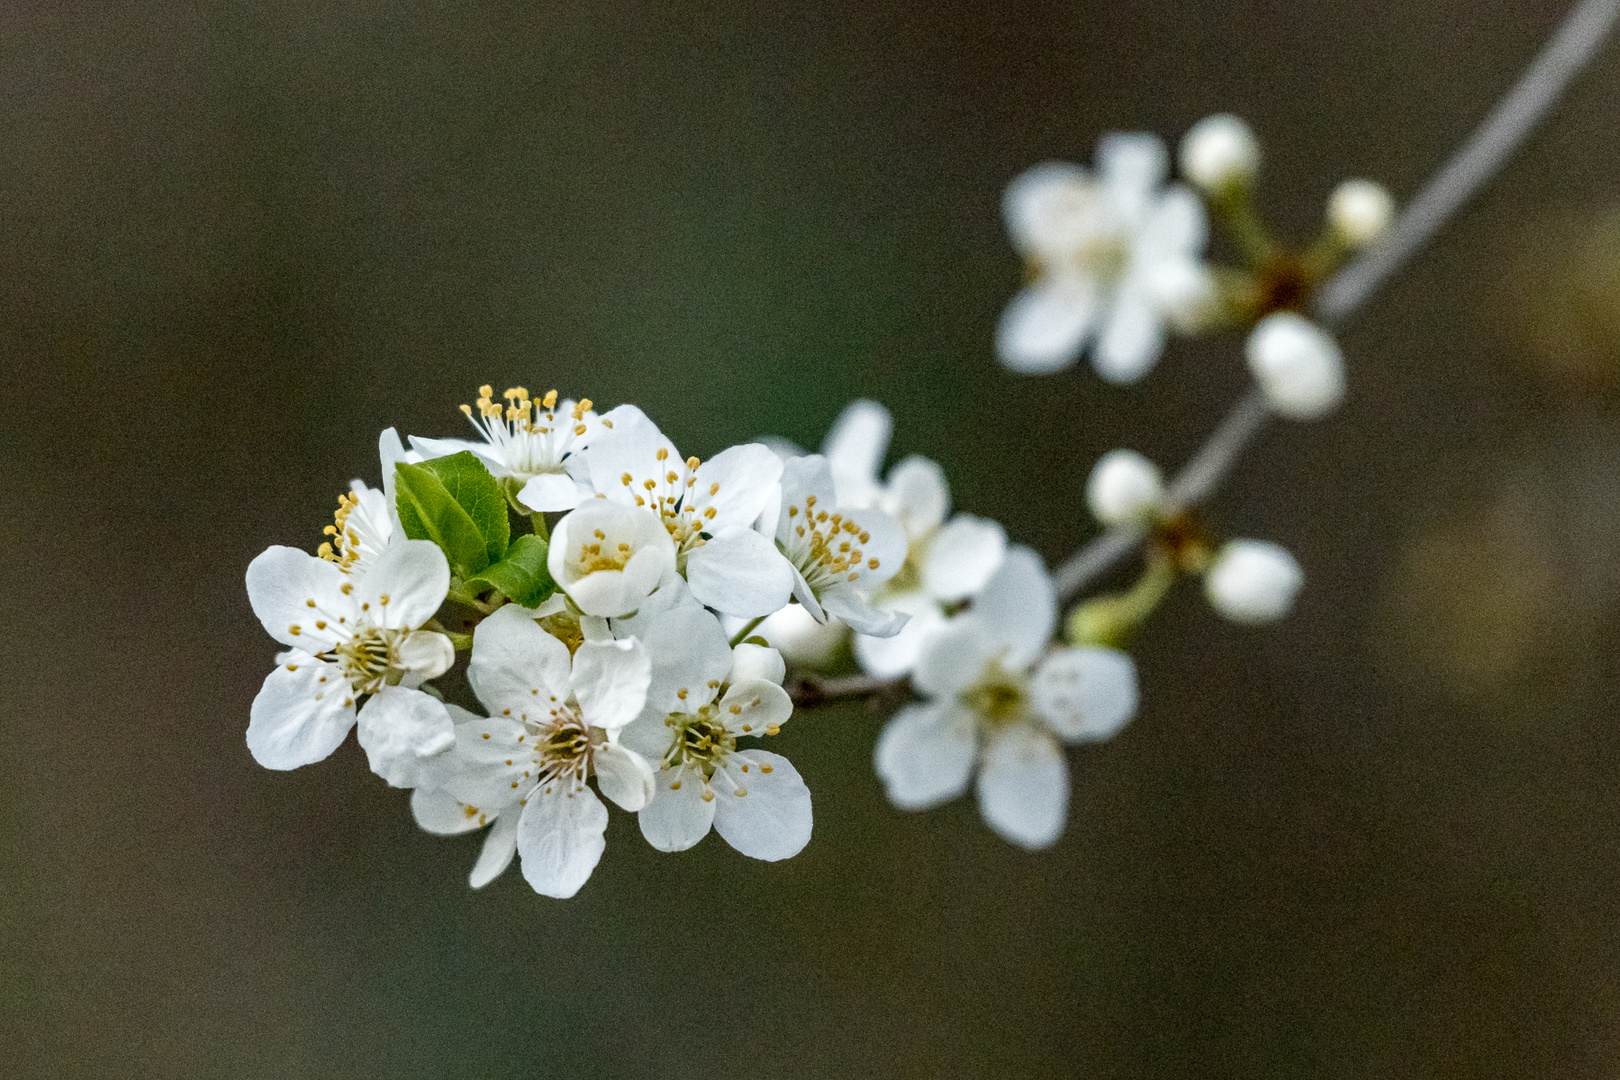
(1219, 152)
(1123, 487)
(1253, 582)
(1297, 366)
(1359, 211)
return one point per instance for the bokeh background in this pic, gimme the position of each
(239, 238)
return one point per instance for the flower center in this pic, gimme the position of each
(528, 434)
(998, 699)
(599, 553)
(701, 739)
(670, 492)
(366, 659)
(829, 545)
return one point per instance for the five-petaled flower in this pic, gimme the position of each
(996, 703)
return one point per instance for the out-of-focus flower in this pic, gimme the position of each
(1253, 581)
(1297, 366)
(1124, 487)
(1359, 211)
(1114, 256)
(1219, 153)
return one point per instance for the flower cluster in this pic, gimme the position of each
(629, 614)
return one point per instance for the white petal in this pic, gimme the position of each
(610, 681)
(515, 664)
(755, 707)
(400, 727)
(963, 556)
(1177, 228)
(405, 586)
(1044, 328)
(500, 844)
(1086, 695)
(428, 449)
(1124, 487)
(1132, 166)
(441, 813)
(293, 592)
(688, 650)
(301, 714)
(854, 449)
(623, 775)
(424, 655)
(648, 735)
(891, 657)
(493, 762)
(1037, 202)
(856, 610)
(802, 478)
(1297, 365)
(550, 492)
(761, 805)
(740, 572)
(1024, 786)
(736, 483)
(1019, 606)
(560, 837)
(1132, 337)
(917, 496)
(1253, 581)
(955, 657)
(681, 811)
(391, 452)
(796, 634)
(925, 755)
(751, 662)
(629, 448)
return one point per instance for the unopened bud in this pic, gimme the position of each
(1219, 152)
(1359, 211)
(1253, 582)
(1297, 366)
(1123, 487)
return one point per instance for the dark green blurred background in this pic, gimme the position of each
(239, 238)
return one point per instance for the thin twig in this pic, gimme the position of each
(1544, 81)
(810, 689)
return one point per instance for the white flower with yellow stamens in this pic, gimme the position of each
(994, 702)
(554, 722)
(609, 558)
(352, 637)
(709, 509)
(360, 530)
(711, 697)
(535, 444)
(838, 554)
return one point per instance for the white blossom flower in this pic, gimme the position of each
(837, 553)
(554, 722)
(1219, 153)
(360, 530)
(1297, 366)
(1253, 581)
(987, 708)
(1359, 211)
(535, 444)
(608, 558)
(709, 509)
(754, 799)
(350, 637)
(1124, 487)
(1114, 255)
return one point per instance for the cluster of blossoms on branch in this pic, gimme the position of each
(630, 615)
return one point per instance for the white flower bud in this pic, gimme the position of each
(1123, 487)
(1253, 582)
(1359, 211)
(1297, 365)
(1218, 152)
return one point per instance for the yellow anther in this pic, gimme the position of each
(486, 391)
(692, 463)
(550, 399)
(772, 729)
(871, 564)
(663, 453)
(766, 768)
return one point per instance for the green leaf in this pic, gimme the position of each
(427, 511)
(522, 576)
(479, 494)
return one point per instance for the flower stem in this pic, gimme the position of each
(742, 635)
(541, 529)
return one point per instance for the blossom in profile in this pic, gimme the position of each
(360, 530)
(999, 705)
(553, 723)
(352, 639)
(1114, 257)
(534, 445)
